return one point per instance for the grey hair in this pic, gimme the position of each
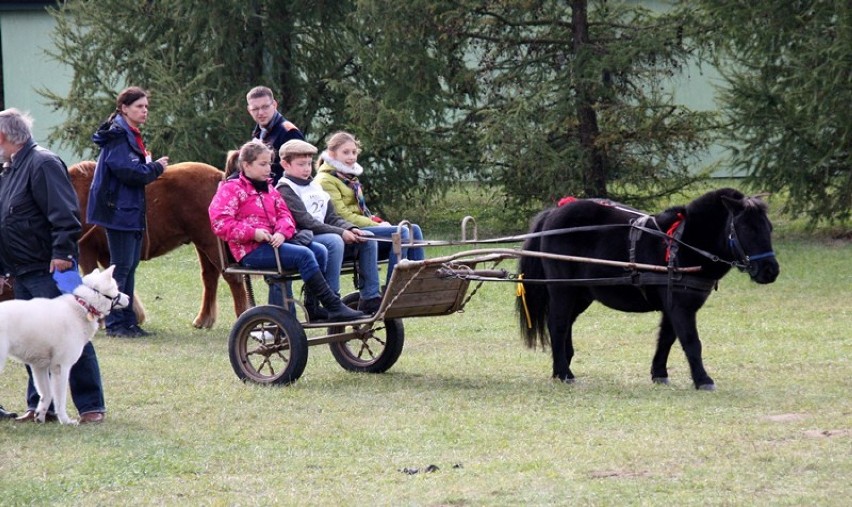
(16, 126)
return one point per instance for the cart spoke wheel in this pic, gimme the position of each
(267, 345)
(375, 350)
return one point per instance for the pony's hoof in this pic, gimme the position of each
(566, 380)
(660, 380)
(706, 387)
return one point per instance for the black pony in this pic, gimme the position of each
(717, 231)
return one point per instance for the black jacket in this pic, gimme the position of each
(39, 212)
(280, 131)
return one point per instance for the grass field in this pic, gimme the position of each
(468, 398)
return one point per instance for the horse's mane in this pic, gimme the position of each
(714, 198)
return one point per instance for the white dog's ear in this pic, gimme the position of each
(109, 270)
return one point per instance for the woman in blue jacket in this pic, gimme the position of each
(117, 196)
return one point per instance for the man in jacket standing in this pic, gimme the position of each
(39, 230)
(271, 127)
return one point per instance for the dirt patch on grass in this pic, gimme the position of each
(618, 474)
(828, 433)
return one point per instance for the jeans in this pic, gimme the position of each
(333, 244)
(87, 391)
(368, 267)
(413, 254)
(125, 251)
(292, 257)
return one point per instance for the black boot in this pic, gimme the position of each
(315, 311)
(336, 309)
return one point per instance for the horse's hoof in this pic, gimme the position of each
(203, 323)
(706, 387)
(660, 380)
(566, 380)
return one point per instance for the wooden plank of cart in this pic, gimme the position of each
(268, 344)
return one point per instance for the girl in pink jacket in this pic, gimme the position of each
(252, 217)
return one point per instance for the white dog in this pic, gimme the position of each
(49, 335)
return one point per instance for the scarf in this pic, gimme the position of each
(348, 174)
(138, 135)
(352, 170)
(353, 183)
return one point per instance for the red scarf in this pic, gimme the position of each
(138, 135)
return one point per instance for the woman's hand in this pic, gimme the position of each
(277, 240)
(163, 161)
(262, 235)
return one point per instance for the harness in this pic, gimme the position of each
(93, 313)
(674, 278)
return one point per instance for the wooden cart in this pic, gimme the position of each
(268, 344)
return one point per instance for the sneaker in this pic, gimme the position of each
(370, 306)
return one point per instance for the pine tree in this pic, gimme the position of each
(198, 60)
(787, 95)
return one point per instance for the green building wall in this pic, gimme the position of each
(27, 68)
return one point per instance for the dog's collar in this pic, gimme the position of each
(93, 313)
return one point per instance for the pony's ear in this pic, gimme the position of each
(761, 195)
(733, 205)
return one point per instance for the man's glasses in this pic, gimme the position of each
(264, 108)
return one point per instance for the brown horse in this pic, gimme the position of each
(176, 215)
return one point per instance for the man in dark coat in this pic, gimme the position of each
(270, 126)
(39, 230)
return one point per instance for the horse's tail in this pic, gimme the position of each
(533, 301)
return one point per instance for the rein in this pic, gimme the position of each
(675, 280)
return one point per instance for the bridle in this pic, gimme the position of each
(743, 260)
(114, 302)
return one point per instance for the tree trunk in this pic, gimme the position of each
(595, 171)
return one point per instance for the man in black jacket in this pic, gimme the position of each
(39, 230)
(271, 127)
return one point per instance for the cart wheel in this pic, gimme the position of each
(377, 351)
(267, 345)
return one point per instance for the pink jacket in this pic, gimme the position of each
(238, 209)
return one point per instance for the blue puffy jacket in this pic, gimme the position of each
(117, 194)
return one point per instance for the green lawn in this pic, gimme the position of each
(467, 397)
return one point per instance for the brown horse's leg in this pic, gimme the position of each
(210, 272)
(93, 250)
(210, 279)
